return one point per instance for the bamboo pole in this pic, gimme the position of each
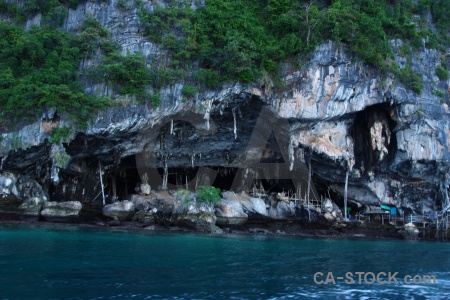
(101, 181)
(165, 175)
(309, 187)
(345, 195)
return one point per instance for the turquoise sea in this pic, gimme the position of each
(69, 262)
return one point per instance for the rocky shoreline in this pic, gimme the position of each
(178, 211)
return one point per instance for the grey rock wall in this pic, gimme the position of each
(340, 113)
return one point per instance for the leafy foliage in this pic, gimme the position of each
(53, 11)
(155, 100)
(60, 134)
(128, 74)
(244, 39)
(38, 69)
(208, 194)
(189, 91)
(442, 73)
(224, 40)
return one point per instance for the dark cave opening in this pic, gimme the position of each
(225, 177)
(374, 120)
(277, 185)
(325, 190)
(128, 176)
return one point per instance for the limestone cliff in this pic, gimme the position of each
(333, 113)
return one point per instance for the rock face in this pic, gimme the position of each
(189, 213)
(229, 211)
(332, 211)
(196, 215)
(54, 211)
(8, 185)
(32, 207)
(334, 114)
(154, 208)
(255, 207)
(123, 210)
(410, 231)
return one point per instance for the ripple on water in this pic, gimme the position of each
(84, 263)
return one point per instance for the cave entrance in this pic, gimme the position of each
(126, 179)
(128, 176)
(178, 177)
(374, 138)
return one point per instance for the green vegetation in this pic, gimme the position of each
(155, 101)
(189, 91)
(219, 41)
(122, 4)
(438, 93)
(440, 10)
(208, 194)
(38, 69)
(442, 73)
(53, 11)
(60, 157)
(209, 78)
(16, 142)
(60, 134)
(128, 74)
(419, 113)
(245, 39)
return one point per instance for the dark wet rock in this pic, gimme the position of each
(60, 211)
(123, 210)
(142, 202)
(282, 210)
(114, 222)
(31, 207)
(146, 216)
(196, 215)
(10, 204)
(29, 188)
(155, 227)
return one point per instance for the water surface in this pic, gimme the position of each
(68, 262)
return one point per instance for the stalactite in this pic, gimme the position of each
(309, 186)
(171, 127)
(101, 180)
(192, 160)
(291, 155)
(163, 141)
(165, 175)
(114, 187)
(234, 119)
(207, 112)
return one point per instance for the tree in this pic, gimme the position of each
(311, 18)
